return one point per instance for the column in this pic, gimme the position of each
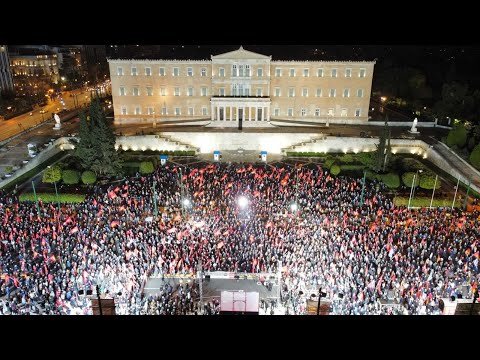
(263, 113)
(267, 113)
(231, 113)
(249, 110)
(212, 113)
(218, 113)
(236, 112)
(224, 113)
(243, 113)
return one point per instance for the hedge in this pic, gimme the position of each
(89, 177)
(335, 170)
(457, 136)
(178, 152)
(475, 157)
(391, 180)
(51, 198)
(407, 179)
(425, 202)
(347, 159)
(146, 167)
(329, 163)
(70, 177)
(306, 154)
(352, 167)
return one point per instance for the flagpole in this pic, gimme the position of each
(36, 199)
(411, 191)
(363, 187)
(466, 196)
(456, 190)
(433, 193)
(56, 194)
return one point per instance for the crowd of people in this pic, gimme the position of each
(358, 254)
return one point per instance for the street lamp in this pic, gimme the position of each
(242, 202)
(412, 190)
(294, 207)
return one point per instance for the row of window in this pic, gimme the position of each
(242, 71)
(240, 90)
(204, 111)
(137, 110)
(330, 112)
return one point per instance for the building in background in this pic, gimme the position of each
(241, 86)
(6, 80)
(94, 59)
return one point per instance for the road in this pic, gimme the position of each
(13, 126)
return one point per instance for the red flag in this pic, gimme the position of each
(172, 230)
(217, 233)
(112, 195)
(220, 245)
(94, 202)
(114, 223)
(74, 230)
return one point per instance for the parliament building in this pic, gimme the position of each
(240, 87)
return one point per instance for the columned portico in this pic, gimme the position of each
(240, 108)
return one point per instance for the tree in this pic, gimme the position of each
(84, 149)
(52, 174)
(457, 136)
(107, 161)
(382, 154)
(407, 179)
(427, 181)
(475, 157)
(146, 167)
(335, 170)
(70, 177)
(89, 177)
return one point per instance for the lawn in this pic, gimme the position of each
(48, 198)
(425, 202)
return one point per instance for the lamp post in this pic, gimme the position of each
(36, 199)
(56, 194)
(466, 196)
(320, 295)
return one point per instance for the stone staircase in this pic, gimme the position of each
(297, 146)
(170, 139)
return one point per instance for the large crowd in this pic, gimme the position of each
(359, 255)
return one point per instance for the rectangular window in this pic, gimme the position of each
(190, 111)
(333, 92)
(189, 71)
(306, 72)
(292, 72)
(164, 111)
(163, 92)
(176, 71)
(317, 112)
(177, 111)
(204, 72)
(204, 91)
(138, 111)
(234, 70)
(136, 91)
(331, 112)
(360, 93)
(221, 91)
(276, 111)
(277, 91)
(291, 92)
(259, 72)
(247, 70)
(259, 91)
(346, 92)
(278, 72)
(124, 110)
(149, 91)
(362, 73)
(221, 72)
(305, 92)
(162, 71)
(134, 71)
(121, 91)
(120, 71)
(319, 93)
(319, 72)
(290, 112)
(190, 91)
(344, 112)
(304, 112)
(148, 71)
(150, 110)
(204, 111)
(334, 73)
(246, 91)
(348, 72)
(240, 70)
(357, 112)
(176, 91)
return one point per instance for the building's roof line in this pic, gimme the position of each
(273, 61)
